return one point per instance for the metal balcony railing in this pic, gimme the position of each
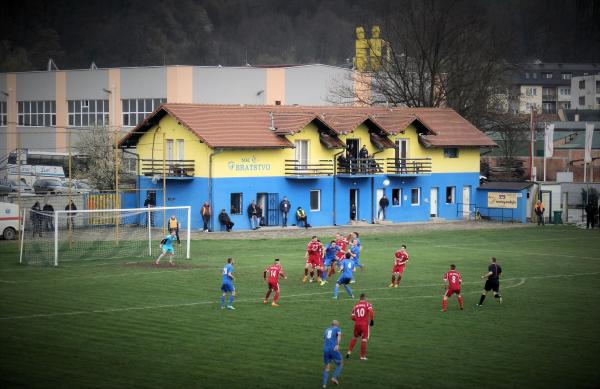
(408, 166)
(171, 168)
(360, 166)
(294, 167)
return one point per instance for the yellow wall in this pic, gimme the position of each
(193, 148)
(271, 162)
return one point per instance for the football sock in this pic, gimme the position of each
(497, 296)
(348, 290)
(325, 377)
(231, 298)
(444, 304)
(324, 275)
(363, 348)
(393, 280)
(336, 290)
(305, 272)
(222, 301)
(268, 294)
(460, 302)
(337, 371)
(276, 297)
(481, 299)
(331, 271)
(352, 344)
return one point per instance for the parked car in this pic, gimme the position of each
(49, 185)
(9, 222)
(78, 186)
(13, 186)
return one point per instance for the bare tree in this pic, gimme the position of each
(96, 152)
(438, 53)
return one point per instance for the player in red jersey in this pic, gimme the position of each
(314, 259)
(340, 242)
(274, 271)
(401, 257)
(363, 317)
(453, 281)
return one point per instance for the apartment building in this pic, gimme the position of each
(586, 92)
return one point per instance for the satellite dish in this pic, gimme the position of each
(386, 182)
(155, 179)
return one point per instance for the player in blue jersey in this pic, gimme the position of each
(167, 248)
(227, 284)
(355, 251)
(329, 260)
(346, 268)
(331, 352)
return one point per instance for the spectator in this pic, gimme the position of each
(48, 217)
(150, 203)
(395, 201)
(539, 211)
(343, 163)
(36, 218)
(174, 227)
(353, 212)
(284, 207)
(383, 204)
(71, 216)
(363, 154)
(253, 212)
(590, 213)
(301, 217)
(225, 220)
(260, 217)
(206, 213)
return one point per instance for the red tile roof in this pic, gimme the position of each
(239, 126)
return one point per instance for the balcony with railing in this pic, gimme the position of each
(408, 167)
(353, 167)
(302, 170)
(172, 169)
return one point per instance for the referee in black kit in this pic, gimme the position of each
(492, 283)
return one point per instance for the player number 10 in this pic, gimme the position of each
(360, 312)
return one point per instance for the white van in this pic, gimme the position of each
(9, 220)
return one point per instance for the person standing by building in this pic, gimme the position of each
(36, 219)
(206, 212)
(492, 283)
(363, 154)
(150, 203)
(452, 281)
(539, 211)
(590, 214)
(71, 215)
(174, 227)
(384, 202)
(48, 216)
(253, 212)
(331, 352)
(363, 317)
(284, 207)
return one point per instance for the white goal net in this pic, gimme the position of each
(80, 235)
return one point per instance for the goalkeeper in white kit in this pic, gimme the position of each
(167, 247)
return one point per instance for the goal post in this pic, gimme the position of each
(101, 234)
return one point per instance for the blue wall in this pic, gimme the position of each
(195, 191)
(519, 214)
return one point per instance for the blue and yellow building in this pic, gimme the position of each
(426, 161)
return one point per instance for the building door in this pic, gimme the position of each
(546, 197)
(353, 146)
(466, 202)
(354, 214)
(401, 153)
(302, 155)
(378, 195)
(269, 206)
(433, 202)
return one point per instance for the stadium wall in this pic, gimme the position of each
(518, 214)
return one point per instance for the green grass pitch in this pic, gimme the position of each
(121, 324)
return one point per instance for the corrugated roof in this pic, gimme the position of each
(239, 126)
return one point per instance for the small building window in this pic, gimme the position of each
(547, 75)
(36, 113)
(396, 197)
(88, 113)
(236, 204)
(581, 100)
(582, 84)
(566, 76)
(277, 102)
(3, 114)
(531, 91)
(415, 196)
(527, 75)
(450, 193)
(135, 110)
(315, 200)
(450, 152)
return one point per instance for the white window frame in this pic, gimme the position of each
(132, 117)
(547, 75)
(452, 194)
(418, 203)
(76, 117)
(169, 147)
(46, 114)
(302, 153)
(399, 197)
(566, 91)
(180, 149)
(566, 76)
(447, 152)
(3, 113)
(318, 191)
(530, 91)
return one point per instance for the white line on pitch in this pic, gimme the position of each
(254, 300)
